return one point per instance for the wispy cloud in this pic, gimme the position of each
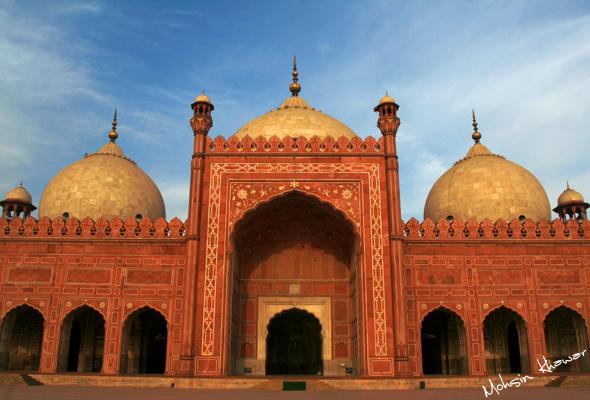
(523, 66)
(40, 86)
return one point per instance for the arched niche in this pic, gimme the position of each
(444, 348)
(21, 338)
(144, 343)
(505, 342)
(566, 334)
(294, 344)
(81, 345)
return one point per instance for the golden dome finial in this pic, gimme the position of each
(113, 135)
(476, 135)
(567, 183)
(295, 87)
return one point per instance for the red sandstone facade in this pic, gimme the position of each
(293, 220)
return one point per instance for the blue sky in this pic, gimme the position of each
(524, 67)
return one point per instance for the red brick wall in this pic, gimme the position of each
(56, 274)
(472, 276)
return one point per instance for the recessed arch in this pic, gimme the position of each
(81, 346)
(294, 344)
(566, 333)
(299, 248)
(21, 337)
(144, 342)
(443, 340)
(505, 341)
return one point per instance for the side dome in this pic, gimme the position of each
(105, 183)
(569, 196)
(486, 185)
(295, 118)
(19, 193)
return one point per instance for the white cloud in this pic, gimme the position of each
(526, 77)
(528, 82)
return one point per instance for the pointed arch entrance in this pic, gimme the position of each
(294, 344)
(145, 337)
(82, 341)
(444, 351)
(566, 334)
(21, 337)
(295, 248)
(506, 343)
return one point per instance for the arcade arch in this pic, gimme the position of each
(566, 334)
(21, 337)
(505, 342)
(444, 350)
(144, 343)
(81, 345)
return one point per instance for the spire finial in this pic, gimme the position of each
(567, 184)
(295, 87)
(476, 135)
(113, 135)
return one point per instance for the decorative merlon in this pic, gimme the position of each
(87, 228)
(261, 144)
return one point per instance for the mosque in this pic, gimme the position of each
(294, 260)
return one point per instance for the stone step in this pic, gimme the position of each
(276, 383)
(18, 379)
(371, 384)
(576, 381)
(218, 383)
(102, 380)
(557, 382)
(11, 379)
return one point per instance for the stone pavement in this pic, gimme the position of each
(21, 392)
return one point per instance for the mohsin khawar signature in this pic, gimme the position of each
(545, 366)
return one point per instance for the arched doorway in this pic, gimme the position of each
(294, 344)
(444, 351)
(21, 337)
(143, 350)
(566, 334)
(505, 340)
(82, 341)
(292, 248)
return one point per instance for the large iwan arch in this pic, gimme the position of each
(294, 250)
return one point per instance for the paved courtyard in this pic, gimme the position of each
(21, 392)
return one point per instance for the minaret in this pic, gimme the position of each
(570, 205)
(201, 123)
(18, 203)
(388, 124)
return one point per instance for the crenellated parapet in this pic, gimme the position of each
(87, 228)
(298, 145)
(499, 230)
